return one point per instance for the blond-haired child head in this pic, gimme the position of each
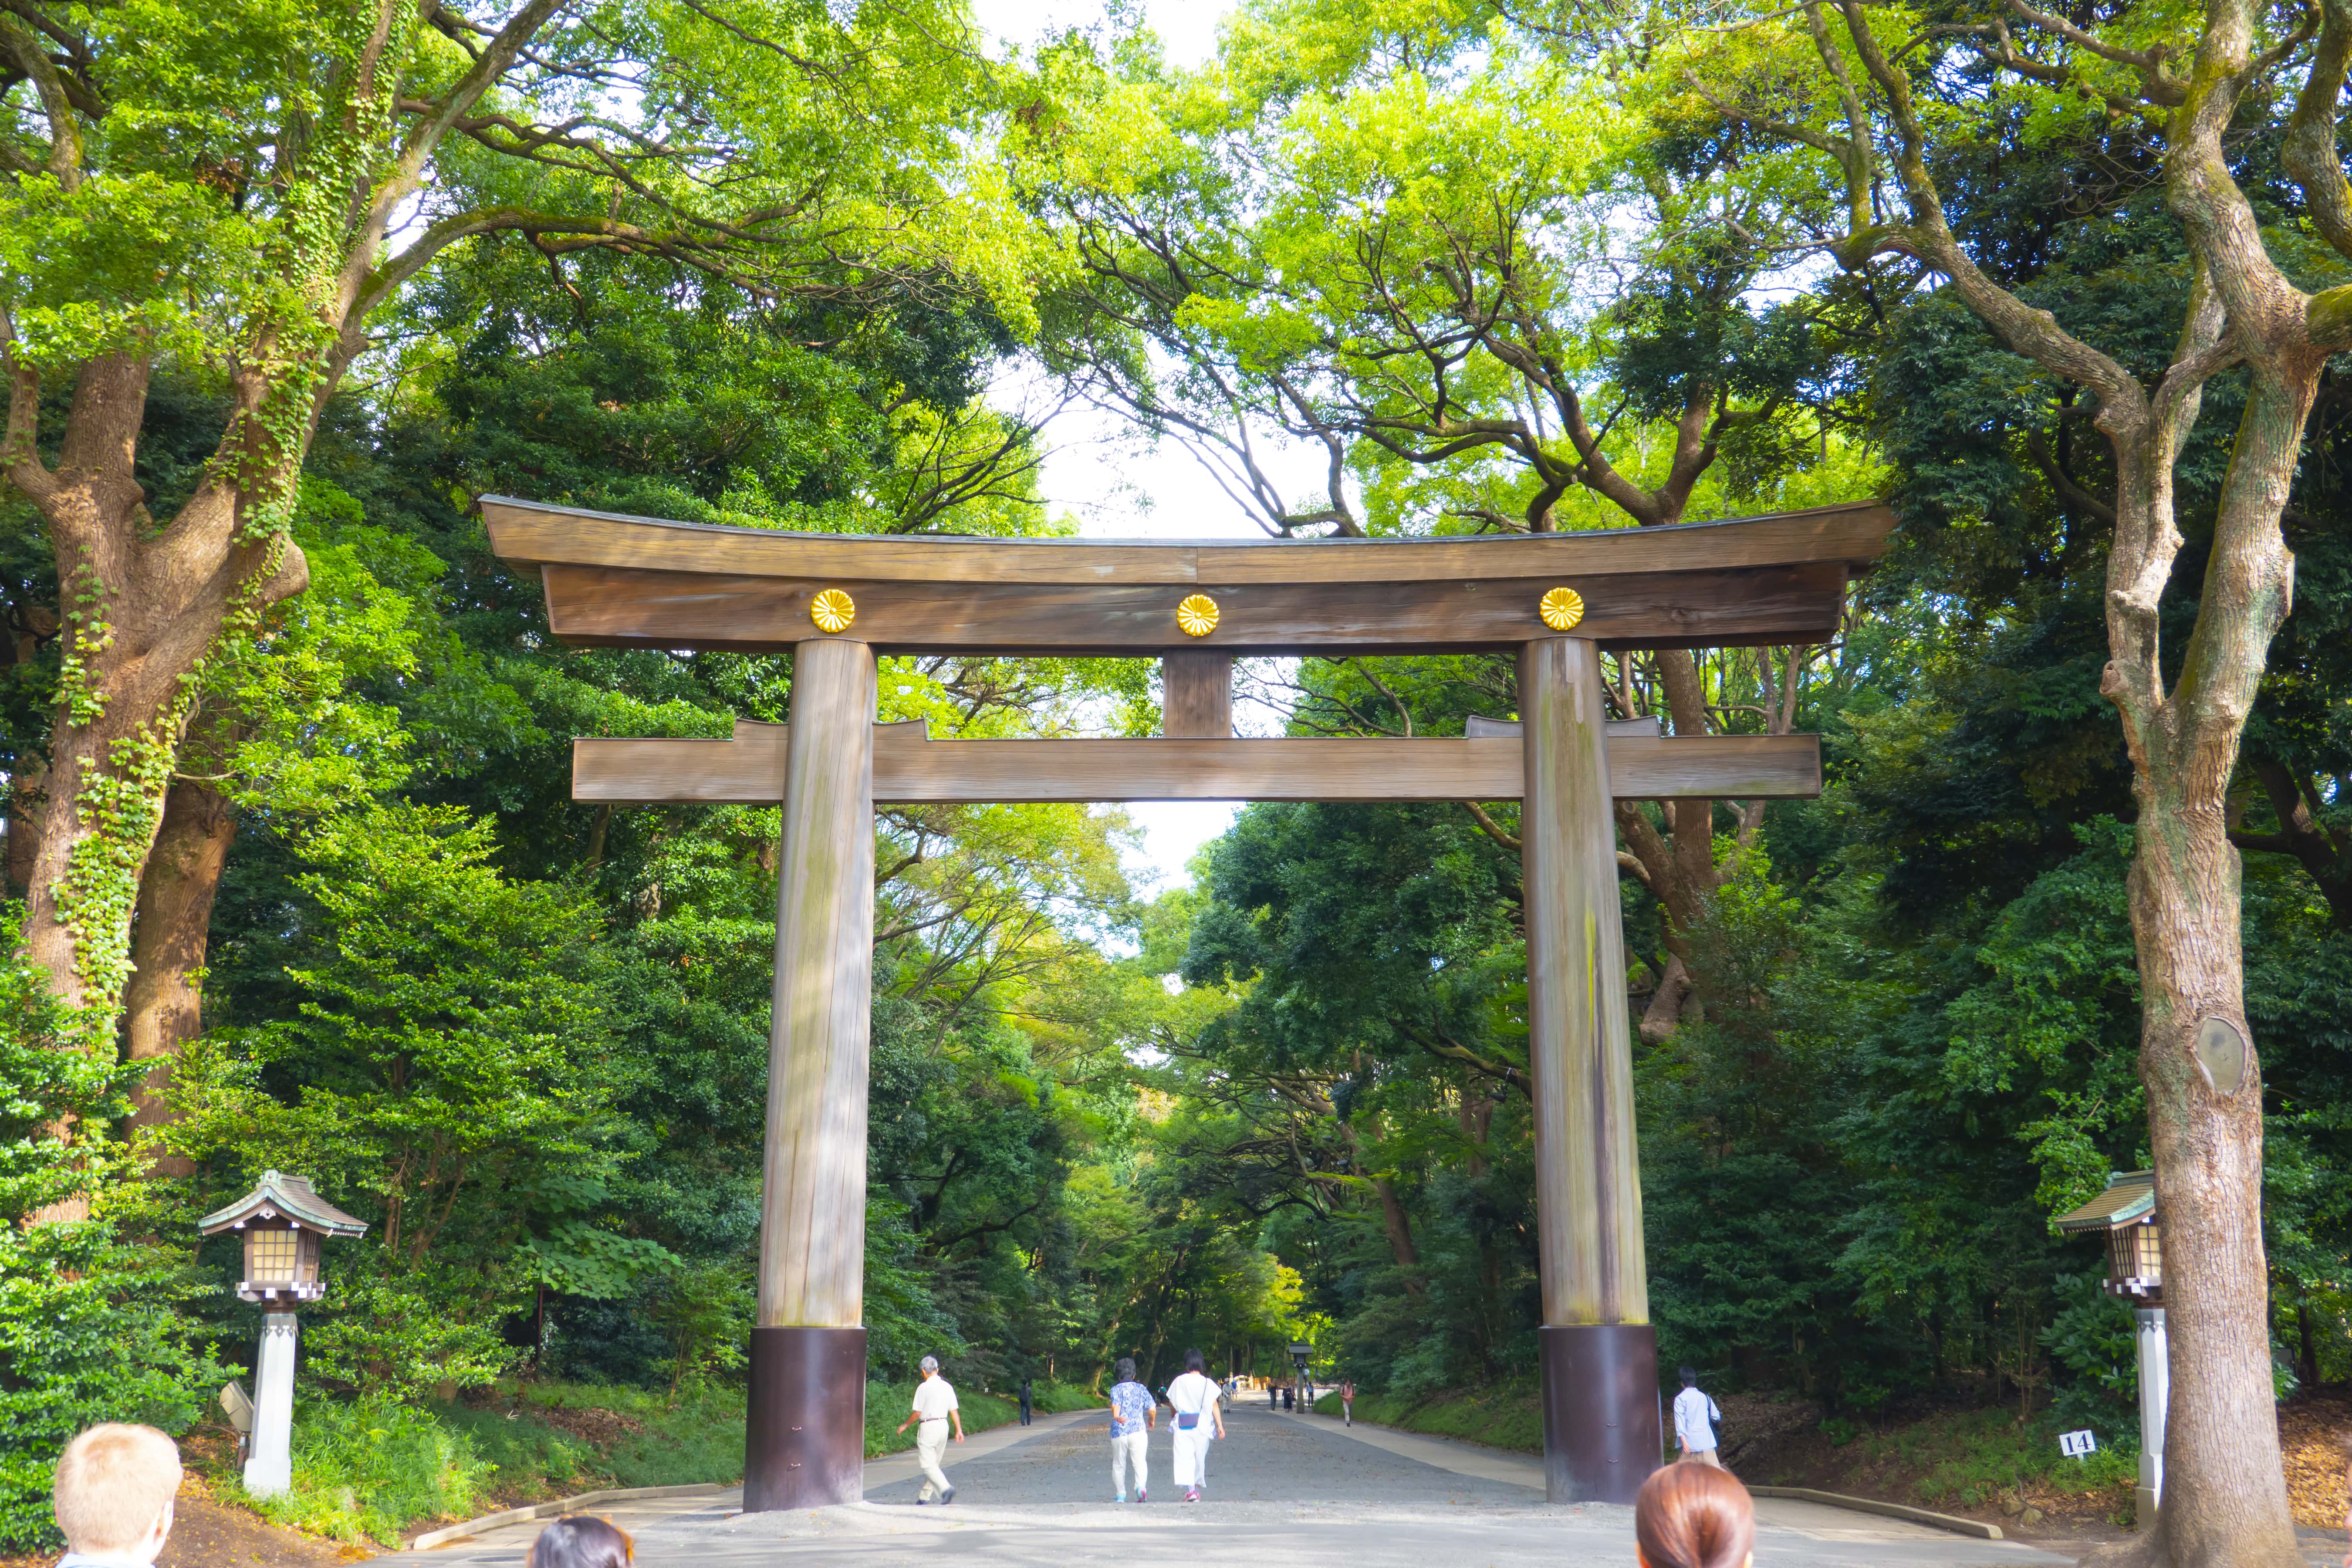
(114, 1489)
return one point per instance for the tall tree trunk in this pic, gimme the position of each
(141, 609)
(1399, 1234)
(2224, 1488)
(162, 1006)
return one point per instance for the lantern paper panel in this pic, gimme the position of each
(271, 1254)
(2136, 1259)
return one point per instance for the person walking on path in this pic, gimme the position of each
(935, 1406)
(1695, 1419)
(1193, 1397)
(1685, 1516)
(1347, 1403)
(1133, 1413)
(1027, 1401)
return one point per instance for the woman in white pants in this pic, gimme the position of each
(1193, 1397)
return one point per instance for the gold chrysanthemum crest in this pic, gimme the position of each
(833, 610)
(1197, 616)
(1561, 608)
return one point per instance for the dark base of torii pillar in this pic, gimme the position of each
(1603, 1427)
(804, 1446)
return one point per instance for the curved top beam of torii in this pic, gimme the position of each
(633, 582)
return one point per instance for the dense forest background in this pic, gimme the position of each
(1884, 1035)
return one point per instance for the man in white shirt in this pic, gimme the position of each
(113, 1496)
(1695, 1419)
(935, 1406)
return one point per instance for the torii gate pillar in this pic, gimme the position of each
(805, 1442)
(1598, 1354)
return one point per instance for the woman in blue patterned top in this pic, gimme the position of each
(1133, 1412)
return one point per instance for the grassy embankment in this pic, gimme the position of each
(1973, 1461)
(1502, 1417)
(372, 1472)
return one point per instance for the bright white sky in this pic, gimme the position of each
(1096, 471)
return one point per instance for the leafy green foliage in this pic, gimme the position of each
(94, 1322)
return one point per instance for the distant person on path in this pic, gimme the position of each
(1689, 1516)
(1347, 1403)
(1289, 1398)
(112, 1496)
(1193, 1397)
(1133, 1413)
(1027, 1401)
(1273, 1395)
(935, 1406)
(1695, 1419)
(582, 1541)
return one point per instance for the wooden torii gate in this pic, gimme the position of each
(835, 603)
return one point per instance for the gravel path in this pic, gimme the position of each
(1264, 1458)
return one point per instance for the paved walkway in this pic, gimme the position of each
(1300, 1492)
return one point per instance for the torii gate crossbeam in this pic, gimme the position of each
(837, 603)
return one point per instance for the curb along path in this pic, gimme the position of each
(1502, 1465)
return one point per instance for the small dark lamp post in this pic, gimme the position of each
(1301, 1354)
(2125, 1215)
(282, 1222)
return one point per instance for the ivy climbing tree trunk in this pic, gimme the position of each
(162, 1007)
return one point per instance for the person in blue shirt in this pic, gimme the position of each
(1133, 1413)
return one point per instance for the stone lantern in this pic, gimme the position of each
(2125, 1216)
(283, 1223)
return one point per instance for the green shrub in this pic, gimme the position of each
(91, 1324)
(363, 1471)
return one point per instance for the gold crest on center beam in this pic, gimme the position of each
(1197, 616)
(833, 610)
(1561, 609)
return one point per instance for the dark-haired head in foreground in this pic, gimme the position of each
(580, 1541)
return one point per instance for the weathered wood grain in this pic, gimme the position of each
(1196, 696)
(1589, 1259)
(630, 608)
(812, 1202)
(528, 532)
(909, 769)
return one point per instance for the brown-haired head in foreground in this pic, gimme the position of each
(580, 1541)
(113, 1483)
(1694, 1516)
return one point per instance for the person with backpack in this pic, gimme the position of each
(1193, 1397)
(1695, 1418)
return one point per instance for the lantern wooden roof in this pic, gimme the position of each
(2129, 1200)
(283, 1197)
